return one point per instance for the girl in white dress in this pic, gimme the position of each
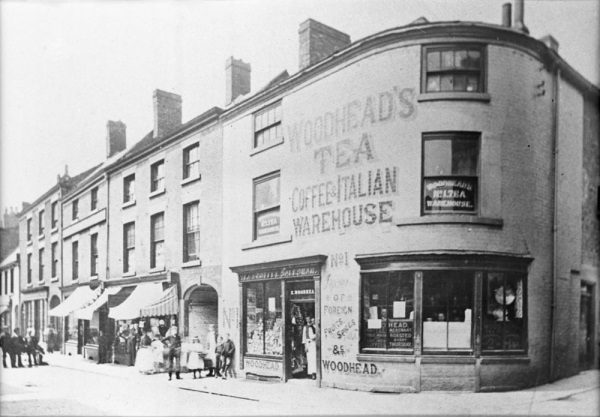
(144, 361)
(195, 362)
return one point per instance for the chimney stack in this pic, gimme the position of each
(237, 79)
(318, 41)
(167, 112)
(116, 140)
(550, 41)
(506, 15)
(520, 16)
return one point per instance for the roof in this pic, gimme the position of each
(10, 258)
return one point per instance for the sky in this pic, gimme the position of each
(67, 67)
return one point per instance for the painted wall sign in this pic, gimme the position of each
(262, 366)
(450, 194)
(281, 273)
(267, 224)
(366, 369)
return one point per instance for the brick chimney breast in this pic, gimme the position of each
(116, 140)
(318, 41)
(167, 112)
(237, 79)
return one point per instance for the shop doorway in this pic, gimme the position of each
(203, 310)
(300, 299)
(586, 328)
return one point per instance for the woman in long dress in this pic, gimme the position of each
(309, 339)
(144, 361)
(158, 348)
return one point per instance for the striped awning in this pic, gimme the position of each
(142, 295)
(87, 312)
(167, 304)
(80, 298)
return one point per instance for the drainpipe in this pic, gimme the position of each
(555, 126)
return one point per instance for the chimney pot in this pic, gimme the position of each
(550, 42)
(167, 112)
(506, 15)
(116, 138)
(319, 41)
(237, 79)
(520, 16)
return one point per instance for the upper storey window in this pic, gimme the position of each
(94, 199)
(54, 214)
(157, 174)
(267, 126)
(191, 162)
(266, 206)
(129, 188)
(450, 173)
(455, 68)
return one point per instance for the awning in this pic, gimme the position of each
(87, 312)
(143, 295)
(167, 304)
(80, 298)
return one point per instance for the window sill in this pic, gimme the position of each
(40, 237)
(263, 356)
(54, 230)
(493, 360)
(29, 242)
(265, 147)
(156, 193)
(41, 282)
(191, 264)
(448, 359)
(157, 269)
(128, 204)
(374, 357)
(190, 180)
(29, 284)
(128, 274)
(93, 277)
(459, 95)
(450, 219)
(54, 279)
(267, 242)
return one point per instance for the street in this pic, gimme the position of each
(74, 386)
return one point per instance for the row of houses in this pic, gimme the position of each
(428, 194)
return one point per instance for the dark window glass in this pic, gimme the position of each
(191, 239)
(157, 174)
(29, 266)
(75, 260)
(129, 247)
(94, 199)
(266, 206)
(41, 264)
(75, 209)
(267, 126)
(94, 254)
(157, 255)
(28, 229)
(129, 188)
(55, 214)
(54, 254)
(191, 162)
(41, 222)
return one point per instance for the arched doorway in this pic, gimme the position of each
(203, 309)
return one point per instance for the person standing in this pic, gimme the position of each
(5, 345)
(18, 347)
(31, 343)
(211, 337)
(219, 357)
(196, 363)
(309, 338)
(102, 347)
(227, 355)
(132, 344)
(173, 342)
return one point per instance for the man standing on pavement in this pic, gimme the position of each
(102, 347)
(5, 345)
(17, 347)
(132, 344)
(227, 355)
(173, 342)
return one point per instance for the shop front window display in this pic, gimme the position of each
(264, 319)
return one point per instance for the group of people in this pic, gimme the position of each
(156, 351)
(14, 345)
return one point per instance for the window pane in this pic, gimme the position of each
(447, 309)
(254, 318)
(278, 113)
(266, 194)
(447, 83)
(273, 319)
(433, 83)
(267, 222)
(447, 60)
(437, 157)
(461, 59)
(464, 157)
(400, 307)
(374, 310)
(474, 59)
(503, 312)
(433, 61)
(460, 83)
(258, 122)
(472, 83)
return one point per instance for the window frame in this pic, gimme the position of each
(54, 209)
(441, 47)
(129, 188)
(29, 231)
(154, 241)
(188, 164)
(277, 124)
(75, 209)
(187, 256)
(476, 179)
(94, 199)
(128, 251)
(75, 260)
(157, 183)
(94, 254)
(41, 222)
(29, 269)
(280, 297)
(41, 253)
(54, 254)
(256, 213)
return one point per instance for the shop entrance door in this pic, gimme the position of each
(586, 328)
(300, 302)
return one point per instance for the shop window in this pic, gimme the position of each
(388, 311)
(157, 250)
(453, 69)
(54, 254)
(41, 222)
(447, 310)
(41, 264)
(55, 214)
(157, 176)
(191, 162)
(503, 325)
(450, 167)
(129, 188)
(191, 239)
(94, 254)
(267, 126)
(28, 229)
(75, 209)
(129, 247)
(94, 199)
(266, 206)
(75, 260)
(29, 266)
(264, 318)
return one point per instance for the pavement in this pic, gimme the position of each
(575, 396)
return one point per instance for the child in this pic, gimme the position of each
(219, 352)
(196, 363)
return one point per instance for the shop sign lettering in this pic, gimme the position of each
(337, 310)
(370, 111)
(450, 195)
(350, 368)
(263, 365)
(282, 273)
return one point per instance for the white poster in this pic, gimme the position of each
(399, 309)
(374, 324)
